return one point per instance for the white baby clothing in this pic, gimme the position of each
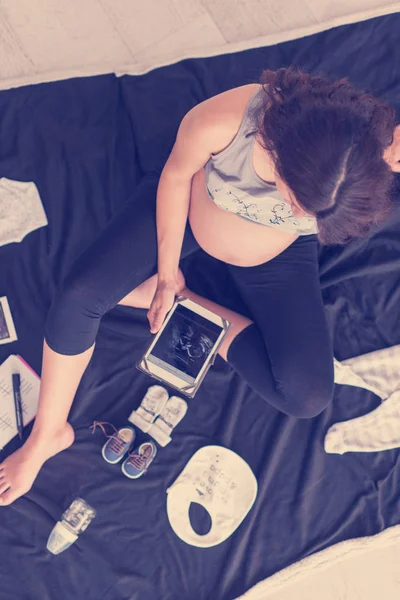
(378, 430)
(21, 210)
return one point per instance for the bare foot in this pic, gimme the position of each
(19, 471)
(142, 296)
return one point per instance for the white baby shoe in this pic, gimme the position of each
(151, 406)
(172, 414)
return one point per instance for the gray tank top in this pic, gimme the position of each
(233, 184)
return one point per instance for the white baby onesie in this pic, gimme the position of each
(21, 210)
(378, 372)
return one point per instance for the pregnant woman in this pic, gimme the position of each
(257, 174)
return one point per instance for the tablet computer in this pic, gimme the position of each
(185, 347)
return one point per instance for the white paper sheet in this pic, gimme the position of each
(30, 386)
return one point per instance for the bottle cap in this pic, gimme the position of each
(60, 538)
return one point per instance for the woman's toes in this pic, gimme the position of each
(8, 497)
(4, 485)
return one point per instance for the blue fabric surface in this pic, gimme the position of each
(86, 143)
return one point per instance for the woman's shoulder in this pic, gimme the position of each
(237, 97)
(207, 129)
(228, 106)
(220, 116)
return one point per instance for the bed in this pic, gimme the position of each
(87, 143)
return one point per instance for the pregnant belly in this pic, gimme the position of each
(227, 236)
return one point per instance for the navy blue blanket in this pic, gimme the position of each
(86, 143)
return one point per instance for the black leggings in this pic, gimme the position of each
(285, 356)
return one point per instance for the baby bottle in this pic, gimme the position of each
(72, 523)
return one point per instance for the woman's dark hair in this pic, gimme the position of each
(327, 141)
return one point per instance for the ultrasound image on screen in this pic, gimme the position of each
(186, 341)
(4, 333)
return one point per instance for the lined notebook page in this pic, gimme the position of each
(30, 386)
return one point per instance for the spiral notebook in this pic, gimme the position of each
(30, 387)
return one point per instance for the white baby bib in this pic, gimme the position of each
(21, 210)
(220, 481)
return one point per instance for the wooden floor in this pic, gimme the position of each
(49, 39)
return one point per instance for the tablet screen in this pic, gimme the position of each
(186, 342)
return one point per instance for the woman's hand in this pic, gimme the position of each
(163, 300)
(392, 153)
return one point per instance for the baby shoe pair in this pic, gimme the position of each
(119, 445)
(158, 414)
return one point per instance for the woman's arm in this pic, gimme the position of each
(196, 139)
(207, 128)
(173, 197)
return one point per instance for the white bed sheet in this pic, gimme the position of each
(46, 40)
(361, 569)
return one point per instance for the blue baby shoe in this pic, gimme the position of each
(118, 445)
(139, 460)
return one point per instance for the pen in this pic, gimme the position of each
(16, 383)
